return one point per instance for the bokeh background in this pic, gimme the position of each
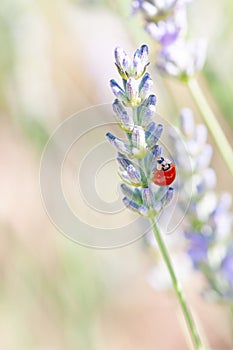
(56, 58)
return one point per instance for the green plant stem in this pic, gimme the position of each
(212, 123)
(186, 312)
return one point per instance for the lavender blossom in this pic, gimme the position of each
(163, 32)
(208, 222)
(157, 10)
(138, 158)
(166, 22)
(182, 59)
(198, 247)
(227, 266)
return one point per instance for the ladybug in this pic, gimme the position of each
(165, 173)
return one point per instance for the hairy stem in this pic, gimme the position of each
(177, 287)
(212, 123)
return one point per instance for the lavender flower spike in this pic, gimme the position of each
(163, 32)
(157, 10)
(182, 59)
(208, 224)
(137, 159)
(166, 22)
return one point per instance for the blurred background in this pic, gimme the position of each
(56, 58)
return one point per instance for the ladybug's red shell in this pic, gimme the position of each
(165, 177)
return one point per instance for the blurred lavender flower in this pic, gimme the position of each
(208, 223)
(158, 10)
(182, 59)
(166, 22)
(198, 248)
(227, 266)
(139, 157)
(163, 32)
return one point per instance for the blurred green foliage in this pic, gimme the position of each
(36, 131)
(55, 299)
(222, 92)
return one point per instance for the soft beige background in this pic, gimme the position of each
(56, 59)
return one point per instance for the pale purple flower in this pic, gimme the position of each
(198, 247)
(165, 32)
(222, 217)
(182, 59)
(157, 9)
(227, 266)
(166, 22)
(208, 223)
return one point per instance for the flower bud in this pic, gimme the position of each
(134, 195)
(147, 111)
(124, 119)
(131, 89)
(167, 198)
(118, 91)
(123, 162)
(133, 174)
(140, 61)
(122, 62)
(153, 134)
(120, 145)
(138, 141)
(145, 87)
(140, 209)
(147, 197)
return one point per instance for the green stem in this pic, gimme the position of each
(186, 312)
(212, 123)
